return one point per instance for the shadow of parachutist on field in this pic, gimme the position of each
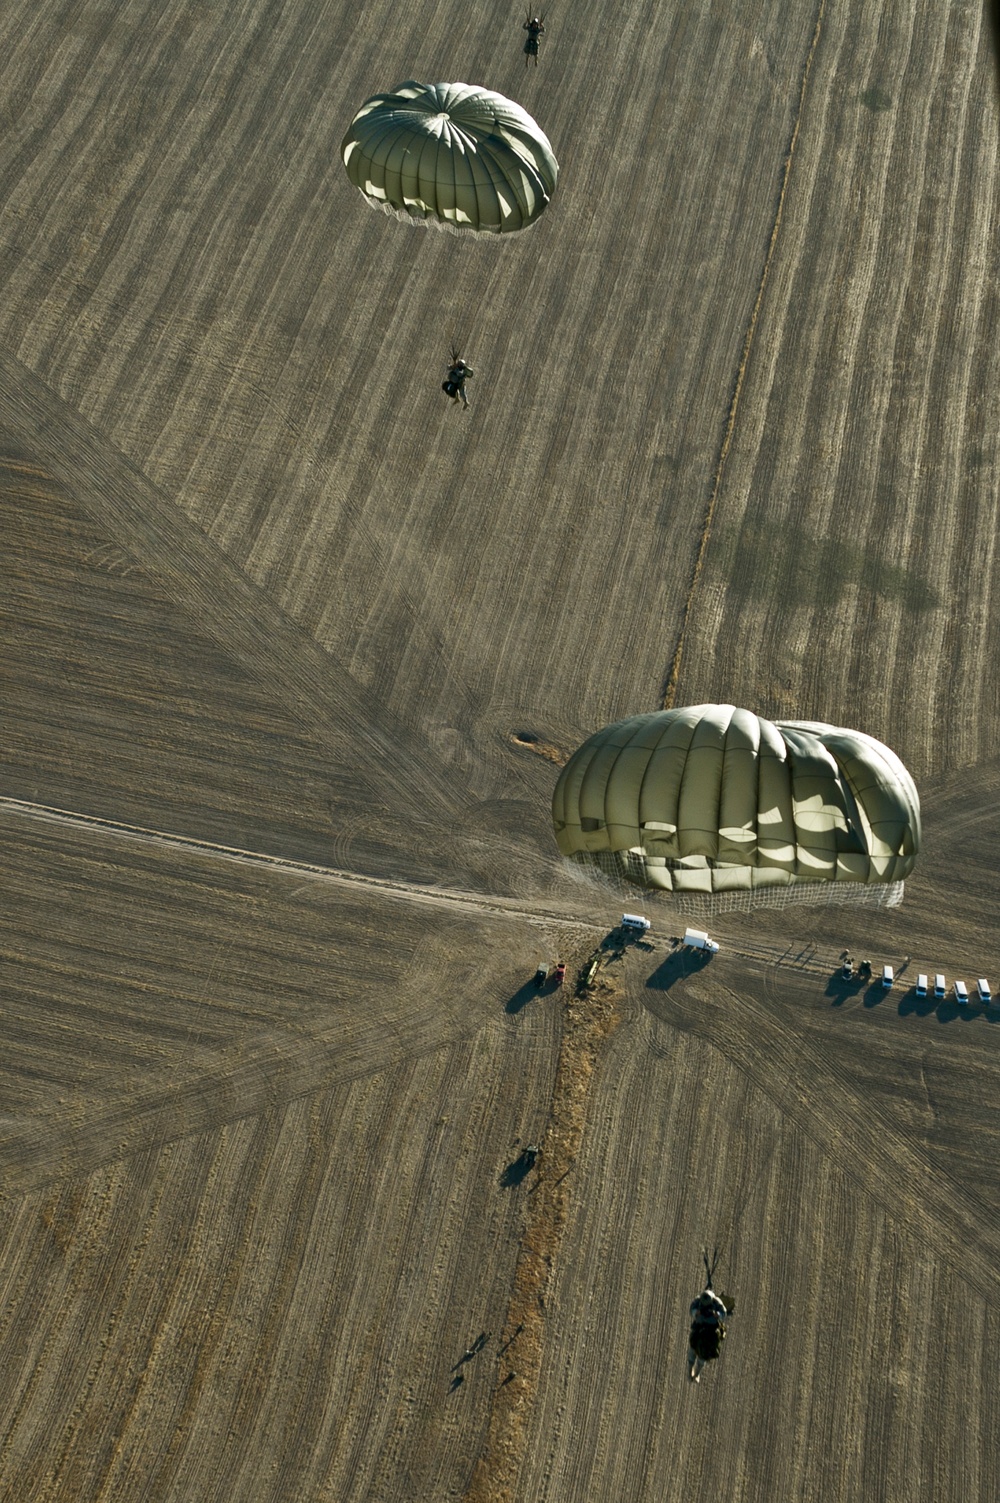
(519, 1169)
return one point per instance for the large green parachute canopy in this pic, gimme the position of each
(713, 799)
(451, 152)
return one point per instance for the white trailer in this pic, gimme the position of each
(697, 939)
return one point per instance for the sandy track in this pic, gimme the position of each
(223, 1284)
(160, 993)
(720, 1159)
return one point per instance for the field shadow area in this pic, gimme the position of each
(948, 1010)
(792, 559)
(841, 988)
(523, 996)
(678, 964)
(518, 1169)
(911, 1004)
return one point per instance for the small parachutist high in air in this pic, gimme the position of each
(454, 383)
(534, 26)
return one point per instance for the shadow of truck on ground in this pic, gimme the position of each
(678, 964)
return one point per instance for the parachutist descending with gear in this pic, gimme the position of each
(454, 383)
(708, 1331)
(534, 26)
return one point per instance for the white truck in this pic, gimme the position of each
(634, 926)
(697, 939)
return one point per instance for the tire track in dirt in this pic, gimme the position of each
(821, 1097)
(807, 1237)
(456, 898)
(257, 345)
(468, 902)
(299, 1281)
(199, 577)
(673, 676)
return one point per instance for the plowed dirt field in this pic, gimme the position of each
(308, 1192)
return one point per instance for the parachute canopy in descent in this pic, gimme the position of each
(453, 153)
(712, 799)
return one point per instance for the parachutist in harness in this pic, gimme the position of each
(708, 1331)
(534, 26)
(454, 383)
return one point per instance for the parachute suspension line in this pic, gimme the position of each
(623, 887)
(631, 896)
(709, 1263)
(616, 874)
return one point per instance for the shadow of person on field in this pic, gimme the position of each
(875, 993)
(523, 996)
(472, 1351)
(519, 1169)
(510, 1339)
(678, 964)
